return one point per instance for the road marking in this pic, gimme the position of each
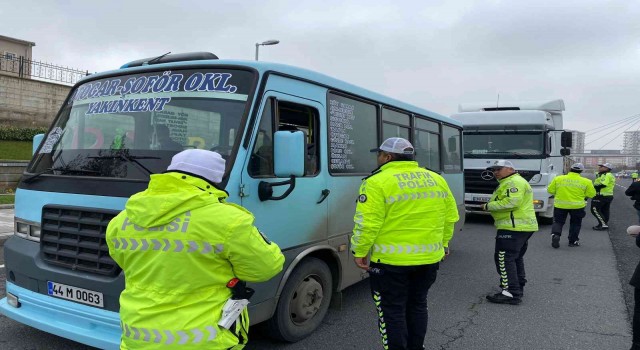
(1, 266)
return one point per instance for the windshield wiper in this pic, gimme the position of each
(60, 169)
(128, 158)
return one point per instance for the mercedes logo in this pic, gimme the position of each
(487, 175)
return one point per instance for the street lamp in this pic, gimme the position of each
(268, 42)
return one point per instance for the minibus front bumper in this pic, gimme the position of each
(84, 324)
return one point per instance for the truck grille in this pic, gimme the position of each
(74, 238)
(474, 183)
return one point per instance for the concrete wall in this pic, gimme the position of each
(10, 172)
(27, 102)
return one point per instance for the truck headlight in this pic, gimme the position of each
(27, 230)
(538, 204)
(535, 179)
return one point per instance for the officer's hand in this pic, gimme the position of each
(362, 263)
(446, 253)
(484, 207)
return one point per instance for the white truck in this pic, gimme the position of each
(528, 133)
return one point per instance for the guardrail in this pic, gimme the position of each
(30, 69)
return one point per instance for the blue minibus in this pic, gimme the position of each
(296, 143)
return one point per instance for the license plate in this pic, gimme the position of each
(76, 294)
(481, 199)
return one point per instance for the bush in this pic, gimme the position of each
(12, 133)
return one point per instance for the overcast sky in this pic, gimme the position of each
(432, 53)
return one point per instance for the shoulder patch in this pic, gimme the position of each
(513, 189)
(362, 198)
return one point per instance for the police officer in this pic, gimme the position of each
(570, 193)
(404, 219)
(604, 184)
(511, 206)
(633, 191)
(179, 243)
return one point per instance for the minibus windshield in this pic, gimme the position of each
(130, 126)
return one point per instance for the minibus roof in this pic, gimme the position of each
(264, 67)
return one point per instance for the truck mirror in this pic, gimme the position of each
(452, 144)
(37, 139)
(565, 152)
(566, 139)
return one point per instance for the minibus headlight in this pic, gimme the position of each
(22, 229)
(35, 232)
(538, 204)
(30, 231)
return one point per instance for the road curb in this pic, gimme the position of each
(6, 206)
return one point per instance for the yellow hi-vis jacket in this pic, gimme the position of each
(404, 216)
(511, 205)
(604, 183)
(571, 190)
(179, 243)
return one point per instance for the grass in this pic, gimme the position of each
(15, 150)
(7, 199)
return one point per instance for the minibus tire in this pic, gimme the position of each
(310, 279)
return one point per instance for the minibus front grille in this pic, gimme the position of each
(74, 238)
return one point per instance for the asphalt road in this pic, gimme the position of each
(577, 298)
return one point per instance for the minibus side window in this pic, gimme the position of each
(261, 161)
(395, 124)
(426, 141)
(451, 146)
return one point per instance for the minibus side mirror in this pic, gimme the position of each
(37, 139)
(288, 158)
(565, 152)
(288, 153)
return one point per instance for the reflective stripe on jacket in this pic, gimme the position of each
(404, 216)
(571, 190)
(511, 205)
(607, 180)
(179, 243)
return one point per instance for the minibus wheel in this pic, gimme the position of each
(304, 301)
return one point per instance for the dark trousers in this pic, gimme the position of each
(575, 223)
(636, 317)
(509, 258)
(400, 296)
(600, 208)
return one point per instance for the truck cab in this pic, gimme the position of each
(528, 133)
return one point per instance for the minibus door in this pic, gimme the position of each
(299, 218)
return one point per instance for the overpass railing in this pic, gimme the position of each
(29, 69)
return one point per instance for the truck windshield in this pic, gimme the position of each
(504, 145)
(130, 126)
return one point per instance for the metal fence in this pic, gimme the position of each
(30, 69)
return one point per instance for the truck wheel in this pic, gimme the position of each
(304, 301)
